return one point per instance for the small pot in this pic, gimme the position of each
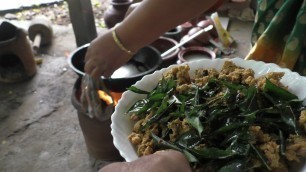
(186, 27)
(175, 33)
(144, 62)
(195, 53)
(163, 44)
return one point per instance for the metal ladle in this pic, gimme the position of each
(206, 29)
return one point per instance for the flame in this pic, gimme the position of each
(105, 97)
(108, 99)
(116, 97)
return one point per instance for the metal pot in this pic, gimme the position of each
(144, 62)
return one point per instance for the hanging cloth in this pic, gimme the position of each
(279, 34)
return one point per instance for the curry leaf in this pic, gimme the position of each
(190, 157)
(196, 97)
(147, 107)
(195, 122)
(288, 116)
(213, 153)
(277, 92)
(194, 119)
(157, 97)
(162, 143)
(261, 156)
(234, 166)
(240, 148)
(228, 128)
(137, 90)
(139, 107)
(218, 112)
(249, 103)
(233, 86)
(282, 144)
(160, 112)
(189, 139)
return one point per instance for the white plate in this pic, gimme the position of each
(121, 125)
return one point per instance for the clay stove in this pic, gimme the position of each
(16, 56)
(97, 133)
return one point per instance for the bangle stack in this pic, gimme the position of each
(119, 44)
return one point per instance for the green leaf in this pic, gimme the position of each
(164, 86)
(240, 148)
(282, 143)
(219, 112)
(137, 90)
(288, 116)
(196, 97)
(142, 109)
(250, 101)
(212, 153)
(196, 123)
(189, 139)
(140, 104)
(234, 166)
(157, 97)
(190, 157)
(249, 117)
(278, 93)
(162, 109)
(261, 156)
(228, 128)
(164, 144)
(233, 86)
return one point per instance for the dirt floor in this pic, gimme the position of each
(58, 12)
(39, 128)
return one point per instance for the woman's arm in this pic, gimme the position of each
(146, 23)
(153, 18)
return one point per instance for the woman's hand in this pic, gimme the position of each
(161, 161)
(103, 56)
(141, 27)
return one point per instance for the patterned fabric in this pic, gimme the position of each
(279, 34)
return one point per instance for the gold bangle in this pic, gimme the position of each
(119, 44)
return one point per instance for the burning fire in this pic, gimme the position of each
(108, 99)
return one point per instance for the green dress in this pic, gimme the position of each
(279, 34)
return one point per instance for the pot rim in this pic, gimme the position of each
(195, 49)
(170, 56)
(175, 30)
(71, 56)
(16, 30)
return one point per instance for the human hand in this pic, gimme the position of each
(103, 56)
(161, 161)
